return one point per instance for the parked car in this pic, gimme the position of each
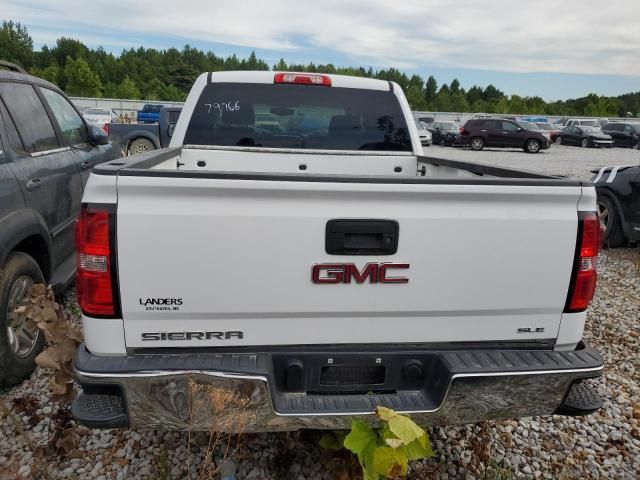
(618, 191)
(425, 136)
(100, 116)
(536, 120)
(499, 133)
(46, 153)
(583, 136)
(444, 133)
(551, 128)
(150, 113)
(426, 120)
(623, 134)
(308, 286)
(138, 138)
(583, 122)
(535, 128)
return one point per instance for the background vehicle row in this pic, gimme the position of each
(500, 133)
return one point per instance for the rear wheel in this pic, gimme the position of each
(477, 143)
(20, 342)
(585, 142)
(141, 145)
(532, 146)
(612, 235)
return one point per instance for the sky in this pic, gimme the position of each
(556, 49)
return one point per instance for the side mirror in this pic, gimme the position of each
(170, 129)
(520, 129)
(97, 135)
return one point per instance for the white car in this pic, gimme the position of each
(312, 274)
(583, 122)
(100, 116)
(426, 138)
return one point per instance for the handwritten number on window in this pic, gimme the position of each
(222, 107)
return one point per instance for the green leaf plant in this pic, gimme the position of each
(385, 452)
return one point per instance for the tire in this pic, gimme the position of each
(613, 235)
(532, 146)
(141, 145)
(476, 143)
(18, 349)
(585, 143)
(559, 140)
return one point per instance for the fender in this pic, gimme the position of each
(131, 136)
(19, 225)
(604, 192)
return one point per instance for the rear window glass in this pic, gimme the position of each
(298, 116)
(173, 115)
(151, 108)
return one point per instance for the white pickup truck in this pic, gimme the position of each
(295, 251)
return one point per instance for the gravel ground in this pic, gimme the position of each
(557, 160)
(38, 439)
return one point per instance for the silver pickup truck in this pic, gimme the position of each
(295, 251)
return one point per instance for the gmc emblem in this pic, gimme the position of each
(346, 272)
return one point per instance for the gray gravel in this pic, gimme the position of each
(557, 160)
(603, 445)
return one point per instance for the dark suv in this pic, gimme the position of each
(623, 134)
(499, 133)
(46, 153)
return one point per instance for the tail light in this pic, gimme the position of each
(302, 79)
(462, 131)
(95, 284)
(583, 280)
(105, 127)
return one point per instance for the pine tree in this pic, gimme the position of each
(81, 80)
(16, 44)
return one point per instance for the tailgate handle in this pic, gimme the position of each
(361, 237)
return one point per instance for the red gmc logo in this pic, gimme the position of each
(346, 272)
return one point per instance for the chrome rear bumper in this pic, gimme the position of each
(237, 401)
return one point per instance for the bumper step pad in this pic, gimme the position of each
(582, 399)
(100, 411)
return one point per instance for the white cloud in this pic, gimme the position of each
(568, 36)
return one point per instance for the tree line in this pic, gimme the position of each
(151, 74)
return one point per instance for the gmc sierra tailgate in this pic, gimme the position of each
(229, 260)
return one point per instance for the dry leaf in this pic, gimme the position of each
(39, 289)
(59, 382)
(62, 337)
(76, 334)
(48, 359)
(549, 445)
(67, 440)
(10, 471)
